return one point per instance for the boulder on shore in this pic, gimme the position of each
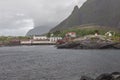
(105, 76)
(90, 43)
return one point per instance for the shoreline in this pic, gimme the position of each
(25, 45)
(90, 42)
(61, 48)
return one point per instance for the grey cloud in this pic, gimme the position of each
(41, 13)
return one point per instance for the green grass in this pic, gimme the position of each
(6, 39)
(89, 30)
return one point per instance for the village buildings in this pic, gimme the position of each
(41, 40)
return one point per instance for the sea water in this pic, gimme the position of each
(49, 63)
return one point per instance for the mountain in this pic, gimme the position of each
(93, 12)
(38, 31)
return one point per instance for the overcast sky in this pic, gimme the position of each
(19, 16)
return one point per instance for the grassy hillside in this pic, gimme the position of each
(88, 30)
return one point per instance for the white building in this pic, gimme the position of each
(109, 34)
(45, 38)
(71, 34)
(54, 39)
(40, 38)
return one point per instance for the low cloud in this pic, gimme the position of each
(18, 16)
(15, 24)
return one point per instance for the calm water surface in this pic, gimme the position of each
(49, 63)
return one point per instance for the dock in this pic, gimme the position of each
(37, 43)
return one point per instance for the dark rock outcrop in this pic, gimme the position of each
(105, 76)
(90, 43)
(94, 12)
(86, 78)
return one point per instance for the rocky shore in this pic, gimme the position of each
(105, 76)
(90, 42)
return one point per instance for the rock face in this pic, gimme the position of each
(72, 20)
(105, 76)
(97, 12)
(90, 43)
(86, 78)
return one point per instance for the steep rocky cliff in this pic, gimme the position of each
(97, 12)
